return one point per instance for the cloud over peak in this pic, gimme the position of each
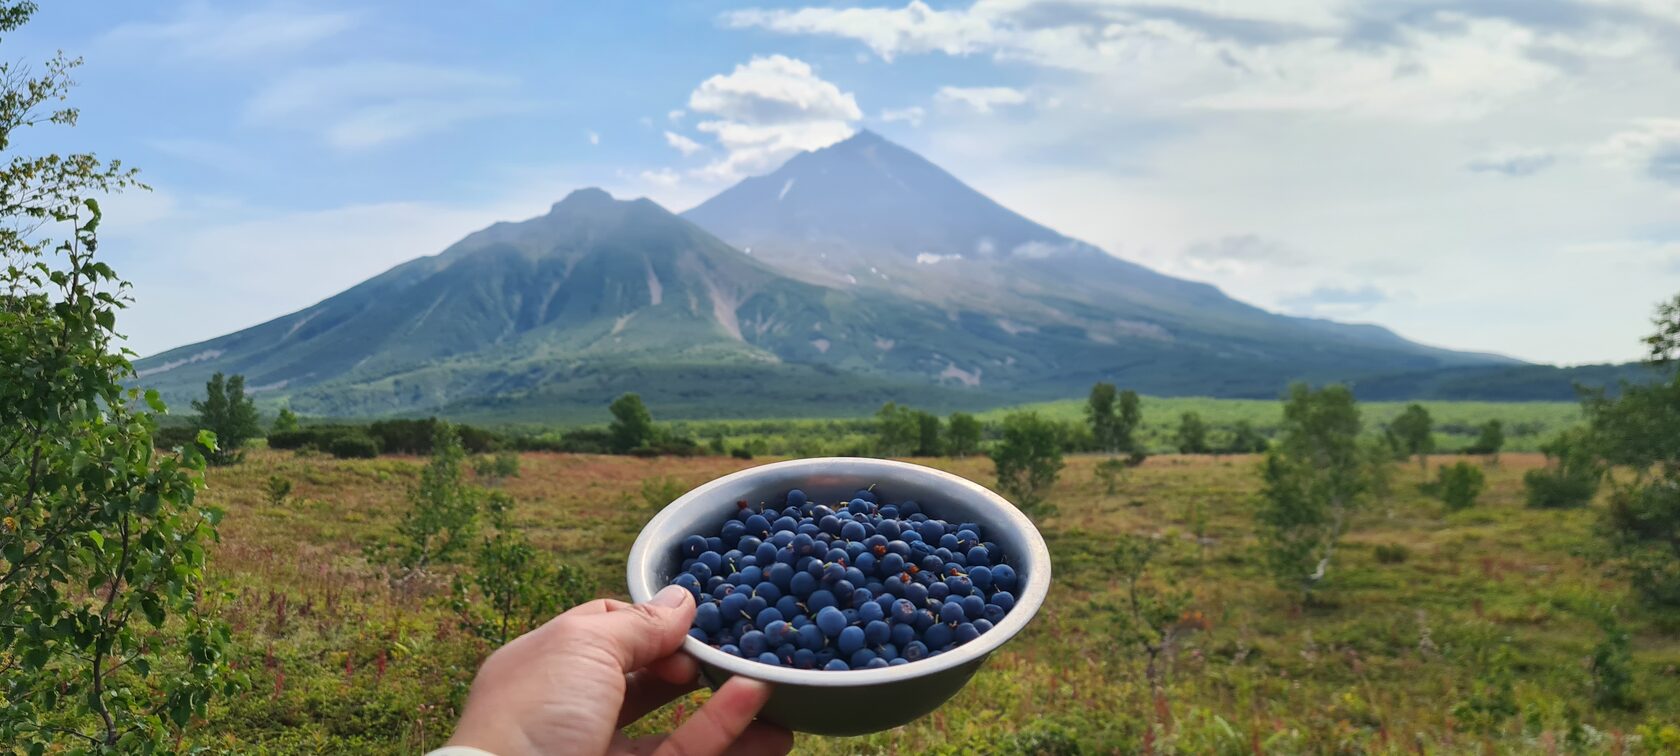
(768, 109)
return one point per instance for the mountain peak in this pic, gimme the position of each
(587, 197)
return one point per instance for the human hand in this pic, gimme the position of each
(568, 686)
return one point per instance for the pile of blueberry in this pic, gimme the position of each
(857, 586)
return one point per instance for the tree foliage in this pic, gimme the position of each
(897, 430)
(962, 435)
(228, 413)
(285, 422)
(1490, 438)
(1101, 414)
(1028, 459)
(1571, 476)
(632, 424)
(1192, 434)
(1414, 430)
(512, 586)
(443, 510)
(1459, 484)
(1313, 479)
(104, 643)
(1131, 418)
(1246, 440)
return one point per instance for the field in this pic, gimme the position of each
(1471, 635)
(1527, 424)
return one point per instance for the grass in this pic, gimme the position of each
(1527, 424)
(1388, 660)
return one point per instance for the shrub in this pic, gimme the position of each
(495, 469)
(741, 452)
(353, 447)
(1571, 475)
(1612, 667)
(1392, 553)
(278, 489)
(1029, 459)
(1459, 484)
(228, 413)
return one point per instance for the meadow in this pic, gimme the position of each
(1437, 632)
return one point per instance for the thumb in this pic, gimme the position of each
(640, 634)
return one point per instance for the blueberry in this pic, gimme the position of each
(1003, 576)
(708, 618)
(937, 637)
(902, 635)
(851, 639)
(754, 643)
(875, 584)
(830, 621)
(810, 637)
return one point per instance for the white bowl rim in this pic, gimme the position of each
(1027, 601)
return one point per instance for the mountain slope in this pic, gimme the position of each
(869, 214)
(864, 274)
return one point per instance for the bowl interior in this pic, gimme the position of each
(654, 558)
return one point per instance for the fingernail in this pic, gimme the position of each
(673, 596)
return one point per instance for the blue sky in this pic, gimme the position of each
(1481, 174)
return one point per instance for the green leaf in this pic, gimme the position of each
(155, 401)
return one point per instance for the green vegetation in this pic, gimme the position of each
(108, 632)
(1314, 480)
(1492, 613)
(442, 511)
(1192, 434)
(226, 412)
(1571, 476)
(1459, 484)
(1027, 460)
(962, 435)
(1414, 432)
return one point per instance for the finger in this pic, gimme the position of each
(637, 635)
(645, 691)
(676, 668)
(718, 723)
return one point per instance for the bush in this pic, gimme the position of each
(353, 447)
(1571, 475)
(1392, 553)
(741, 452)
(1459, 484)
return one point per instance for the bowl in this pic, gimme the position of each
(852, 702)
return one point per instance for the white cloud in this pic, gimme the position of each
(1512, 161)
(682, 144)
(1651, 146)
(201, 31)
(912, 115)
(594, 138)
(369, 103)
(766, 110)
(1285, 149)
(981, 99)
(675, 115)
(664, 177)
